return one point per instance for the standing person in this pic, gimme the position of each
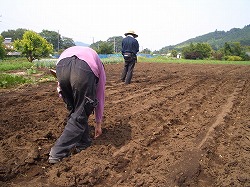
(81, 79)
(130, 47)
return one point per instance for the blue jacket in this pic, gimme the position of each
(130, 44)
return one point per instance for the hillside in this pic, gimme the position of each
(81, 44)
(217, 38)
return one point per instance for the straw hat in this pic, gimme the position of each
(132, 33)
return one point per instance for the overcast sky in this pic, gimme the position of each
(158, 23)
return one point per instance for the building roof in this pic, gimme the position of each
(7, 40)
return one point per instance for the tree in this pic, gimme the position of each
(234, 49)
(189, 52)
(14, 34)
(227, 49)
(103, 47)
(2, 50)
(204, 50)
(33, 46)
(165, 50)
(67, 42)
(217, 55)
(59, 42)
(96, 45)
(116, 42)
(174, 53)
(146, 51)
(52, 37)
(197, 51)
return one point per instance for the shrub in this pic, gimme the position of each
(197, 51)
(233, 58)
(217, 55)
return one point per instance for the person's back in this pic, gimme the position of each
(130, 48)
(130, 44)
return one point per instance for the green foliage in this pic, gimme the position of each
(217, 55)
(234, 49)
(116, 42)
(53, 38)
(233, 58)
(2, 50)
(31, 70)
(146, 51)
(174, 53)
(157, 59)
(47, 78)
(26, 75)
(14, 34)
(165, 50)
(103, 48)
(45, 63)
(197, 51)
(7, 65)
(227, 49)
(217, 39)
(95, 45)
(112, 60)
(7, 80)
(67, 42)
(33, 46)
(164, 59)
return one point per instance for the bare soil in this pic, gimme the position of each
(175, 125)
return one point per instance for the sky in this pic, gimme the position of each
(158, 23)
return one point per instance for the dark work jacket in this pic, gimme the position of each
(130, 44)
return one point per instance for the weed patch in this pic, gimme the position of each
(8, 80)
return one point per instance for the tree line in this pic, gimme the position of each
(34, 45)
(59, 42)
(232, 51)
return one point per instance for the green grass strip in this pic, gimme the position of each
(8, 80)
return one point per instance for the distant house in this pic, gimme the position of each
(179, 55)
(8, 44)
(14, 53)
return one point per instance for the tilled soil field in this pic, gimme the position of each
(174, 125)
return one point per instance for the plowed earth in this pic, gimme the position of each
(175, 125)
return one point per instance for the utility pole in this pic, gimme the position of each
(58, 43)
(114, 45)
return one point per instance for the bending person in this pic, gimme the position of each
(81, 79)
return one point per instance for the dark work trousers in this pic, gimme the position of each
(128, 71)
(76, 81)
